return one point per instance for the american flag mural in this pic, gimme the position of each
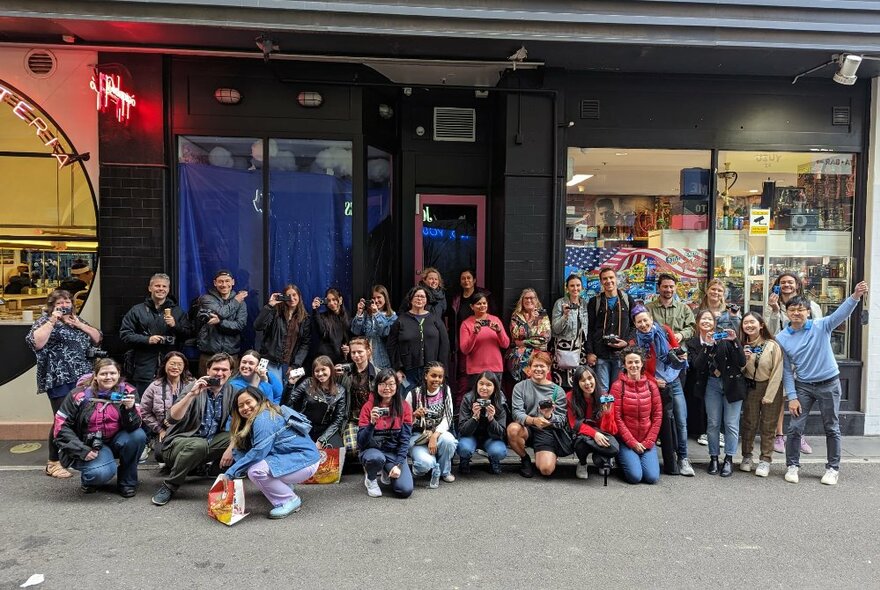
(686, 263)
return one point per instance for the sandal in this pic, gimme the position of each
(56, 470)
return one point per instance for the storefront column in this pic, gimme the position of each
(871, 356)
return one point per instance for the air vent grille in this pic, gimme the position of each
(589, 109)
(455, 124)
(840, 116)
(40, 63)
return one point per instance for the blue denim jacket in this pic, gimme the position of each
(273, 441)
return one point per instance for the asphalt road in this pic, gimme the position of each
(478, 532)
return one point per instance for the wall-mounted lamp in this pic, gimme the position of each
(227, 96)
(847, 66)
(309, 99)
(578, 178)
(385, 111)
(73, 159)
(420, 131)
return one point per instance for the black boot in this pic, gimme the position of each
(727, 466)
(713, 465)
(525, 467)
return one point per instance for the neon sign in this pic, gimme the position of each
(107, 89)
(24, 111)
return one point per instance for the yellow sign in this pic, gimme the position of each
(759, 222)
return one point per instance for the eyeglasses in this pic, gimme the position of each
(388, 385)
(529, 298)
(178, 365)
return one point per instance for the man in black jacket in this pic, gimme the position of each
(152, 329)
(610, 327)
(222, 317)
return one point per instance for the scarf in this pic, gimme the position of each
(434, 295)
(666, 366)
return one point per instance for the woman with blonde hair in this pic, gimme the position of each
(727, 315)
(529, 331)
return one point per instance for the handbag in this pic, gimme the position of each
(296, 421)
(564, 442)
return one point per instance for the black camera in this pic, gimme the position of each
(212, 381)
(431, 415)
(167, 340)
(93, 352)
(733, 307)
(283, 298)
(322, 301)
(573, 306)
(67, 310)
(484, 403)
(545, 404)
(205, 315)
(347, 368)
(95, 440)
(483, 323)
(610, 338)
(383, 411)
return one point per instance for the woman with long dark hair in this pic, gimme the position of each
(331, 328)
(482, 421)
(383, 438)
(373, 320)
(287, 331)
(591, 419)
(251, 373)
(171, 377)
(417, 338)
(272, 454)
(322, 400)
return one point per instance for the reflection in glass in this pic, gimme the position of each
(449, 238)
(380, 234)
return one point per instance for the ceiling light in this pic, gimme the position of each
(621, 154)
(754, 190)
(578, 178)
(847, 68)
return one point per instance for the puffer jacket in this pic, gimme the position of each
(274, 328)
(225, 336)
(145, 320)
(637, 410)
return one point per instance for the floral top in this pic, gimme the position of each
(527, 336)
(63, 359)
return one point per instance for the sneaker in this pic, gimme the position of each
(721, 440)
(286, 509)
(791, 476)
(763, 469)
(127, 491)
(830, 477)
(746, 464)
(525, 467)
(805, 446)
(779, 443)
(145, 455)
(703, 440)
(372, 486)
(385, 478)
(464, 467)
(162, 496)
(494, 467)
(448, 478)
(685, 468)
(581, 472)
(88, 489)
(435, 481)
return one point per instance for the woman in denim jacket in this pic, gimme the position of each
(273, 455)
(373, 320)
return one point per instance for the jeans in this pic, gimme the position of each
(679, 409)
(607, 370)
(717, 407)
(279, 371)
(423, 461)
(374, 461)
(127, 446)
(278, 489)
(828, 398)
(494, 447)
(415, 377)
(644, 468)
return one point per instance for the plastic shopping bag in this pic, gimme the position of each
(226, 500)
(330, 468)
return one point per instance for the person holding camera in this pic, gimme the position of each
(417, 338)
(221, 318)
(592, 422)
(286, 331)
(432, 444)
(482, 421)
(539, 419)
(171, 379)
(570, 329)
(357, 379)
(62, 342)
(198, 434)
(254, 371)
(665, 361)
(322, 400)
(385, 430)
(373, 320)
(529, 330)
(638, 412)
(269, 451)
(152, 329)
(331, 328)
(98, 423)
(481, 340)
(716, 361)
(610, 327)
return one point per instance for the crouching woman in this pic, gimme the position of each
(273, 454)
(638, 412)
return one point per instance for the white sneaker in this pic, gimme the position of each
(791, 476)
(830, 477)
(581, 472)
(746, 464)
(703, 440)
(372, 486)
(763, 469)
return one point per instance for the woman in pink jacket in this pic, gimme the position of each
(482, 340)
(638, 412)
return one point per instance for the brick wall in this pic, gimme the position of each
(130, 214)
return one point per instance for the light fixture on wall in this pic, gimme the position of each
(227, 96)
(847, 66)
(385, 111)
(578, 178)
(309, 99)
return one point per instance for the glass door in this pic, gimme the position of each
(450, 235)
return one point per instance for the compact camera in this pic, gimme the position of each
(93, 352)
(283, 298)
(66, 310)
(610, 338)
(483, 323)
(545, 404)
(719, 335)
(383, 411)
(117, 396)
(573, 306)
(757, 349)
(322, 301)
(606, 399)
(168, 340)
(95, 440)
(431, 415)
(347, 368)
(212, 381)
(484, 403)
(205, 315)
(733, 307)
(297, 373)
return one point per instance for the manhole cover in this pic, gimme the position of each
(25, 448)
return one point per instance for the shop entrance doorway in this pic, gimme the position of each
(451, 235)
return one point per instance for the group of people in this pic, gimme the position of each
(605, 376)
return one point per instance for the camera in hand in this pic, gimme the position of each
(573, 306)
(347, 368)
(95, 440)
(117, 396)
(545, 404)
(720, 335)
(733, 307)
(322, 301)
(93, 352)
(608, 338)
(606, 399)
(167, 340)
(483, 323)
(757, 349)
(205, 315)
(212, 381)
(383, 411)
(283, 298)
(66, 310)
(432, 415)
(484, 403)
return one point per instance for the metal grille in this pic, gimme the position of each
(840, 116)
(455, 124)
(40, 63)
(589, 109)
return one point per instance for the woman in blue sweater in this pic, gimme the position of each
(384, 432)
(273, 455)
(250, 373)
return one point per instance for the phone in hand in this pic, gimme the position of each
(263, 365)
(776, 290)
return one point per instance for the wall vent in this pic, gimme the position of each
(840, 116)
(589, 109)
(455, 124)
(40, 63)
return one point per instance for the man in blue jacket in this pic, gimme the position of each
(810, 375)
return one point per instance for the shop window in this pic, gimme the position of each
(380, 232)
(641, 212)
(791, 212)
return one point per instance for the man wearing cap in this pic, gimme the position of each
(221, 318)
(81, 276)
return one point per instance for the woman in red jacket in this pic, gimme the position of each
(592, 422)
(638, 412)
(481, 340)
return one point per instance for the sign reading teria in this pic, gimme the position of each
(25, 111)
(107, 89)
